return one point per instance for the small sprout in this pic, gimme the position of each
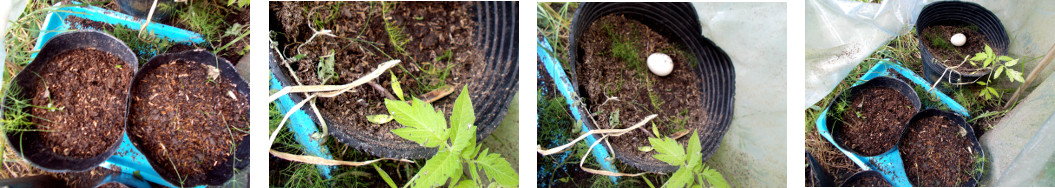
(379, 118)
(118, 65)
(644, 148)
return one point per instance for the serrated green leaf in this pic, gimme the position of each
(466, 184)
(438, 169)
(999, 70)
(669, 151)
(695, 155)
(978, 57)
(379, 118)
(463, 114)
(681, 178)
(988, 51)
(714, 178)
(463, 137)
(423, 124)
(1005, 58)
(1011, 63)
(981, 83)
(396, 87)
(987, 62)
(1015, 75)
(497, 169)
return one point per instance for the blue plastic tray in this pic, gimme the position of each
(563, 85)
(889, 164)
(127, 158)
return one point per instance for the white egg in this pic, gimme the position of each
(660, 64)
(958, 39)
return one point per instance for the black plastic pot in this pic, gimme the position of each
(863, 174)
(29, 144)
(956, 13)
(679, 22)
(958, 120)
(819, 177)
(219, 174)
(492, 87)
(141, 8)
(878, 82)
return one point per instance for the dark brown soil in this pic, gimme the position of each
(113, 185)
(89, 89)
(183, 117)
(870, 181)
(603, 75)
(432, 29)
(952, 57)
(935, 153)
(874, 120)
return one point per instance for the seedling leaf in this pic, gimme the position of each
(423, 125)
(379, 118)
(395, 86)
(669, 151)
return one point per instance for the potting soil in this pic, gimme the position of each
(602, 74)
(937, 152)
(187, 115)
(870, 181)
(438, 51)
(873, 120)
(87, 90)
(950, 55)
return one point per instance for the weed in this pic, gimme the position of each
(395, 31)
(1004, 65)
(625, 49)
(325, 70)
(937, 40)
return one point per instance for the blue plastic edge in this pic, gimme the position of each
(303, 127)
(553, 67)
(54, 23)
(889, 164)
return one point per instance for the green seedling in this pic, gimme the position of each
(456, 145)
(689, 160)
(325, 70)
(1004, 66)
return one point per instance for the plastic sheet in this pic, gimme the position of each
(840, 34)
(753, 152)
(9, 13)
(1022, 145)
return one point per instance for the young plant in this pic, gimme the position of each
(394, 30)
(325, 70)
(691, 170)
(456, 145)
(1004, 65)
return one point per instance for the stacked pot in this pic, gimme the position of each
(29, 145)
(889, 162)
